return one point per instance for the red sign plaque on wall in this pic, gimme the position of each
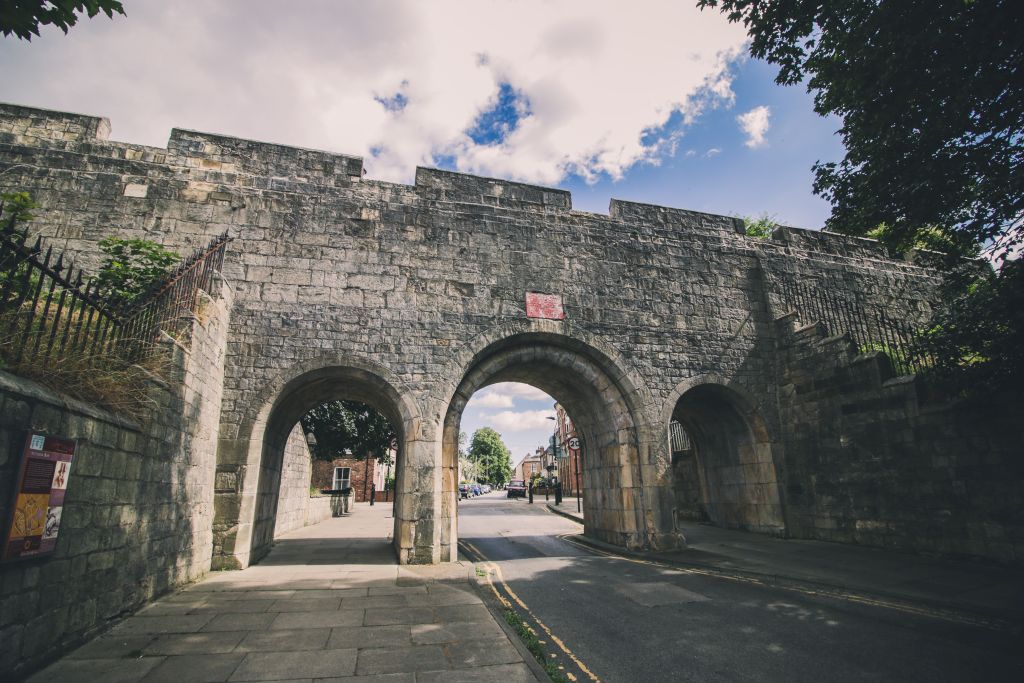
(39, 499)
(547, 306)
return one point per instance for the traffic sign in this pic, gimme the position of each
(573, 443)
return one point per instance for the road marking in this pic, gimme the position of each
(496, 570)
(935, 613)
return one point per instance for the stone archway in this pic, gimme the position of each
(622, 506)
(727, 473)
(246, 511)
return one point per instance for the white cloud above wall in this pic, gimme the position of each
(755, 124)
(563, 87)
(520, 421)
(492, 400)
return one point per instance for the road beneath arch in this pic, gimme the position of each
(616, 619)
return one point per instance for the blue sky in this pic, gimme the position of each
(774, 179)
(518, 412)
(642, 101)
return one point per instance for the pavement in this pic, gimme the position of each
(328, 603)
(989, 592)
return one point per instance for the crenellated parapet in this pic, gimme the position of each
(228, 154)
(31, 126)
(438, 185)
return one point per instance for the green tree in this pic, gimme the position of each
(341, 427)
(132, 267)
(928, 92)
(976, 340)
(24, 17)
(16, 207)
(492, 457)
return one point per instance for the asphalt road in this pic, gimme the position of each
(616, 619)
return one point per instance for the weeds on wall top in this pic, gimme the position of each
(761, 227)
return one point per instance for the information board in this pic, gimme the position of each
(38, 500)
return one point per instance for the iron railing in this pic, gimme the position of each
(50, 310)
(870, 327)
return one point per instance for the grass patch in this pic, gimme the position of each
(529, 639)
(95, 376)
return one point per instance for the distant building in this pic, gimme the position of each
(361, 475)
(570, 463)
(529, 465)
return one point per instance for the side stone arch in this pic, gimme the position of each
(731, 469)
(250, 463)
(606, 399)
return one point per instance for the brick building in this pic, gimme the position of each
(570, 464)
(529, 465)
(359, 474)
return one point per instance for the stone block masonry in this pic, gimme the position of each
(412, 297)
(296, 507)
(870, 462)
(139, 508)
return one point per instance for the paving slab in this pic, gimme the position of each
(398, 615)
(195, 643)
(320, 607)
(386, 660)
(294, 620)
(505, 673)
(454, 632)
(306, 605)
(448, 613)
(241, 622)
(275, 666)
(119, 670)
(369, 636)
(284, 640)
(195, 668)
(178, 623)
(112, 646)
(468, 654)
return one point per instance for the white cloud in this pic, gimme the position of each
(597, 76)
(713, 152)
(755, 124)
(519, 390)
(491, 400)
(521, 421)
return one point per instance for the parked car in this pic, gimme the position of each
(516, 489)
(464, 490)
(486, 488)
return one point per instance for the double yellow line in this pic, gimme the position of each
(492, 569)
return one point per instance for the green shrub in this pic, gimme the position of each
(132, 267)
(762, 227)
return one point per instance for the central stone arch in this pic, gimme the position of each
(246, 515)
(609, 411)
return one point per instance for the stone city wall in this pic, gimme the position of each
(296, 507)
(138, 512)
(414, 284)
(868, 461)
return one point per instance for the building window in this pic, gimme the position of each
(342, 478)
